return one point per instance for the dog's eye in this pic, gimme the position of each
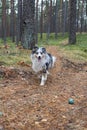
(37, 53)
(41, 53)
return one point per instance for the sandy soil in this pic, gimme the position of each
(25, 105)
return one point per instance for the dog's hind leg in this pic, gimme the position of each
(43, 79)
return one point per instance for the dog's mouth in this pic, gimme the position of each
(39, 58)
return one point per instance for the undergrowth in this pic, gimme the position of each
(12, 55)
(78, 51)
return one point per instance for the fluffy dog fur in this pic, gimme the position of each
(42, 62)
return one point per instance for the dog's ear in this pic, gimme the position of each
(35, 48)
(44, 50)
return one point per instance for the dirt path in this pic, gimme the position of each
(24, 105)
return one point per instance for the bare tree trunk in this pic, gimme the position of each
(18, 25)
(28, 35)
(77, 17)
(86, 16)
(48, 20)
(56, 20)
(41, 21)
(67, 15)
(7, 23)
(50, 16)
(36, 22)
(82, 19)
(86, 7)
(77, 28)
(12, 20)
(63, 14)
(21, 15)
(72, 24)
(4, 20)
(63, 17)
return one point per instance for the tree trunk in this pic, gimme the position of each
(12, 20)
(86, 7)
(4, 21)
(56, 20)
(86, 16)
(28, 35)
(7, 20)
(67, 16)
(18, 25)
(50, 16)
(47, 20)
(21, 15)
(82, 17)
(72, 22)
(77, 16)
(63, 16)
(36, 22)
(41, 21)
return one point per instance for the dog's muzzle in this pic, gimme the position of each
(39, 58)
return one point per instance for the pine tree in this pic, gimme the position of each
(28, 35)
(72, 22)
(18, 24)
(4, 21)
(36, 22)
(56, 19)
(12, 20)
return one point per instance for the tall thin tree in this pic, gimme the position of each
(12, 20)
(82, 16)
(4, 20)
(50, 16)
(72, 22)
(86, 7)
(36, 22)
(56, 19)
(63, 17)
(41, 21)
(77, 16)
(47, 20)
(21, 14)
(18, 24)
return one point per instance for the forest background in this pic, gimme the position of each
(45, 22)
(61, 27)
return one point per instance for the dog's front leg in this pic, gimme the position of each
(43, 79)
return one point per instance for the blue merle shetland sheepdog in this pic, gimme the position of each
(42, 62)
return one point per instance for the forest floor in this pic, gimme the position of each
(25, 105)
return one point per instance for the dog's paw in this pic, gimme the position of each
(42, 84)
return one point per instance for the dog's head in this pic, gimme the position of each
(39, 53)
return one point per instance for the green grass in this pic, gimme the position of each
(13, 58)
(77, 52)
(52, 40)
(13, 55)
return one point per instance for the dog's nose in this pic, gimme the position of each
(39, 57)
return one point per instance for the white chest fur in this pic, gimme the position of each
(38, 65)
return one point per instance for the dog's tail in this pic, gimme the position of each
(54, 60)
